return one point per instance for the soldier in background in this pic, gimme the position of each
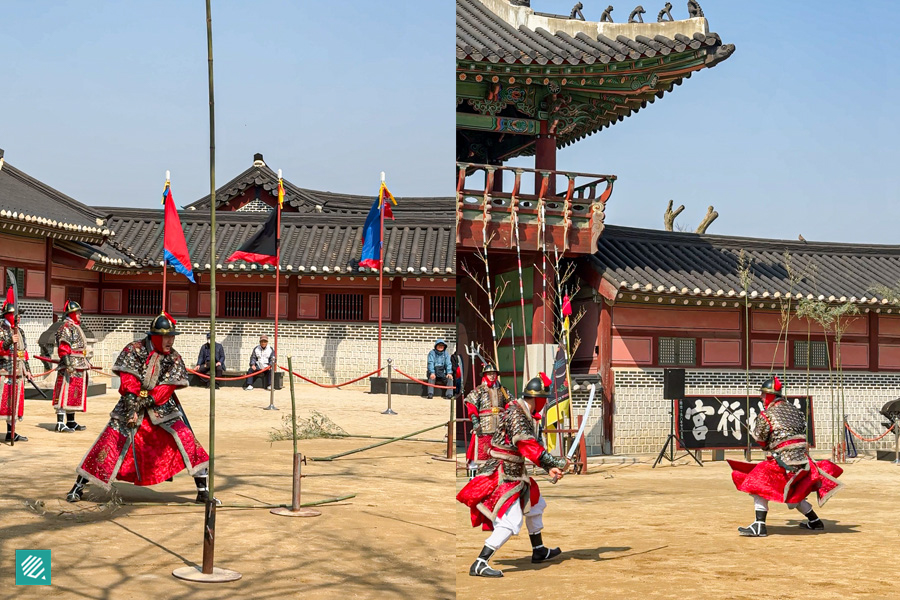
(70, 391)
(13, 350)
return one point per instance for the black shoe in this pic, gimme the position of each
(19, 438)
(542, 554)
(203, 498)
(73, 426)
(480, 568)
(63, 428)
(754, 529)
(814, 525)
(75, 493)
(431, 396)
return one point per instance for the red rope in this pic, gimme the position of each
(336, 385)
(434, 385)
(204, 376)
(850, 429)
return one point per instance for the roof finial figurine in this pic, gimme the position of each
(635, 16)
(694, 9)
(606, 17)
(576, 12)
(665, 14)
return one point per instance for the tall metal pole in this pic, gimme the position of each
(381, 267)
(274, 368)
(165, 205)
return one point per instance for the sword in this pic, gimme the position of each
(40, 391)
(137, 471)
(580, 433)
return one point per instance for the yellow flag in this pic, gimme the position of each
(556, 418)
(280, 193)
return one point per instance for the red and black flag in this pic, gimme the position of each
(262, 248)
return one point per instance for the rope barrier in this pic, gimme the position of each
(850, 429)
(434, 385)
(247, 376)
(336, 385)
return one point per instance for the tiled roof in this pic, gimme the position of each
(26, 204)
(310, 244)
(313, 201)
(485, 35)
(687, 264)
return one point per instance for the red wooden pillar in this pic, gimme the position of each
(498, 181)
(48, 271)
(395, 291)
(604, 341)
(194, 298)
(545, 157)
(293, 310)
(873, 340)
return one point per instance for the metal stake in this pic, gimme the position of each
(272, 372)
(389, 367)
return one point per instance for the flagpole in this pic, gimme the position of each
(165, 205)
(277, 295)
(381, 268)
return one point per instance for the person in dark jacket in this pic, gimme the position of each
(439, 369)
(204, 361)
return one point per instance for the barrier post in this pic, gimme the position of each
(389, 369)
(451, 430)
(295, 510)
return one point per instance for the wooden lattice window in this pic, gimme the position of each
(815, 352)
(75, 294)
(442, 309)
(344, 307)
(243, 304)
(144, 302)
(677, 351)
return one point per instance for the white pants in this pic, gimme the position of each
(760, 503)
(511, 523)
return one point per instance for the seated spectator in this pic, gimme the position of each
(262, 356)
(205, 360)
(440, 371)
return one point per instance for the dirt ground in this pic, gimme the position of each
(629, 531)
(395, 539)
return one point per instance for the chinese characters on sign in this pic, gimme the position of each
(722, 422)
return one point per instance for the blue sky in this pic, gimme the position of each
(101, 98)
(794, 134)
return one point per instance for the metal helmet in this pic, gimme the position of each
(772, 385)
(9, 305)
(71, 306)
(164, 324)
(536, 389)
(489, 368)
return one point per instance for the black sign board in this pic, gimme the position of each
(721, 422)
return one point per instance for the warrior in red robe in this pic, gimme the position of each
(70, 391)
(12, 345)
(502, 493)
(483, 406)
(788, 474)
(148, 439)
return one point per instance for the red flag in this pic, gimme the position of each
(175, 248)
(566, 306)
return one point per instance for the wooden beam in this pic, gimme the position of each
(48, 269)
